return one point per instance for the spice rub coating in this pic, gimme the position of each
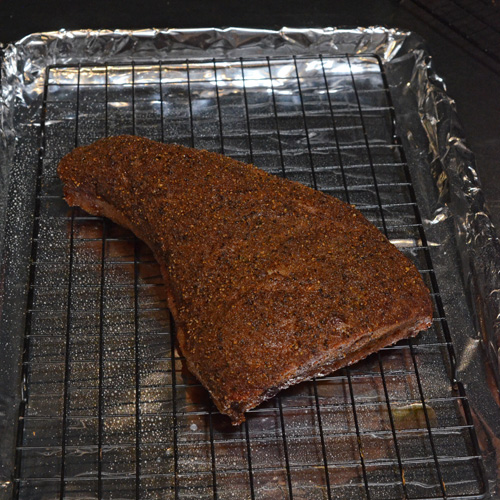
(269, 282)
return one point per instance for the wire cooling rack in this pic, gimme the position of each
(109, 409)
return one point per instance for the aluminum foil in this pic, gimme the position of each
(447, 186)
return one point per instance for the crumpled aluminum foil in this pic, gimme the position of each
(452, 204)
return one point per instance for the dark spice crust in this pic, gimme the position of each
(269, 281)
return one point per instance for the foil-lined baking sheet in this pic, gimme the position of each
(94, 400)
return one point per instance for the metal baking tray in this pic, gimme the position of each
(100, 404)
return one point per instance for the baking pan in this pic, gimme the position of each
(96, 400)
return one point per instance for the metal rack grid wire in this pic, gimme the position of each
(109, 409)
(478, 22)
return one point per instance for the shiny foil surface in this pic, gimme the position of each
(257, 68)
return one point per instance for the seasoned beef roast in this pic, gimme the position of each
(269, 282)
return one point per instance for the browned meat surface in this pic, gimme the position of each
(269, 282)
